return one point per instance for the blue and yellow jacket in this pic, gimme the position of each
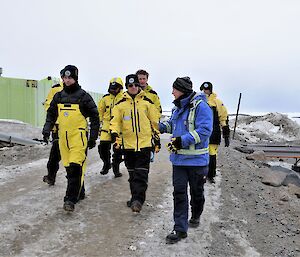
(195, 141)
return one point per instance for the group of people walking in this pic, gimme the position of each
(129, 123)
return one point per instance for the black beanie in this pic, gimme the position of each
(70, 71)
(206, 85)
(183, 85)
(131, 79)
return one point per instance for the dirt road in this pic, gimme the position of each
(242, 216)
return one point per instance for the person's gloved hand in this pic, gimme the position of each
(116, 141)
(177, 142)
(157, 148)
(46, 138)
(114, 137)
(91, 143)
(226, 135)
(174, 145)
(157, 144)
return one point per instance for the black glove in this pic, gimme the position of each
(177, 143)
(91, 143)
(113, 137)
(46, 138)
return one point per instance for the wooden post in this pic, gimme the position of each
(237, 114)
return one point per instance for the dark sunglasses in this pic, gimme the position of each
(131, 85)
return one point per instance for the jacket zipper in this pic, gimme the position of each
(67, 141)
(136, 132)
(132, 121)
(138, 118)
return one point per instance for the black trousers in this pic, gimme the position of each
(54, 158)
(105, 154)
(75, 188)
(212, 166)
(137, 164)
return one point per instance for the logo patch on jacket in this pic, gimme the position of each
(126, 118)
(66, 114)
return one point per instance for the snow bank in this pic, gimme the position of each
(19, 129)
(272, 127)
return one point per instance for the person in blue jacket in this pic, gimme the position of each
(190, 125)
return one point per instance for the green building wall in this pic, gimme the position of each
(22, 99)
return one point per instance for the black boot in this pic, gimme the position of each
(50, 181)
(116, 170)
(175, 236)
(194, 223)
(69, 206)
(105, 169)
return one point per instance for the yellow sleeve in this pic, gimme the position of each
(49, 98)
(222, 112)
(154, 117)
(101, 108)
(51, 94)
(116, 121)
(157, 105)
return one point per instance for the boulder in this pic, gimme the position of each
(257, 156)
(292, 178)
(273, 178)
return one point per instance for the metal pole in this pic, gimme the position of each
(237, 114)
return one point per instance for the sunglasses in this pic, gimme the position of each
(131, 85)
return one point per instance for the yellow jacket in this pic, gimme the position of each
(54, 89)
(221, 110)
(152, 95)
(105, 106)
(137, 120)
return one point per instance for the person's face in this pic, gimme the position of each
(68, 81)
(176, 93)
(143, 80)
(115, 91)
(206, 91)
(133, 89)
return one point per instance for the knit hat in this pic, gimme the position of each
(183, 85)
(70, 71)
(206, 85)
(131, 79)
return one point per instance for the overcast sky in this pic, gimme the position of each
(241, 46)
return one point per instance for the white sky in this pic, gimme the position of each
(247, 46)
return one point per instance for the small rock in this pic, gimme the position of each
(132, 248)
(284, 197)
(294, 190)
